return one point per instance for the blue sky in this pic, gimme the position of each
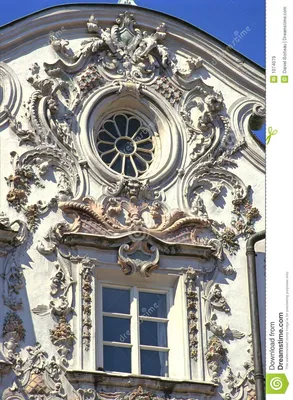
(220, 18)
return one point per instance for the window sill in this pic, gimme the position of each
(100, 380)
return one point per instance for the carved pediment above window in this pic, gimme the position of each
(141, 230)
(116, 217)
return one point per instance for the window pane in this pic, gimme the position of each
(152, 305)
(154, 362)
(116, 300)
(153, 333)
(117, 359)
(116, 329)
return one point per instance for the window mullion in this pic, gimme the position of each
(134, 332)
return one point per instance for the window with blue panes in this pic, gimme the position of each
(135, 330)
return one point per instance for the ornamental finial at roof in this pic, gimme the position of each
(130, 2)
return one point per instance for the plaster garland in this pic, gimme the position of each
(192, 307)
(87, 281)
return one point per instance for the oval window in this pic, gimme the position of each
(125, 144)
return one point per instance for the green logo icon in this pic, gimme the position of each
(276, 383)
(273, 79)
(271, 133)
(284, 78)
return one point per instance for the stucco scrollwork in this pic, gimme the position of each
(137, 394)
(60, 308)
(130, 263)
(134, 189)
(36, 377)
(241, 386)
(215, 301)
(201, 111)
(47, 130)
(216, 356)
(149, 225)
(13, 235)
(211, 174)
(125, 50)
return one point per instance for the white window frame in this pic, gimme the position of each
(134, 317)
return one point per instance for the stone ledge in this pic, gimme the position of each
(100, 380)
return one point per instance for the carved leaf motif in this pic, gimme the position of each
(41, 310)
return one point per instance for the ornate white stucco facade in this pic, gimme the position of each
(127, 161)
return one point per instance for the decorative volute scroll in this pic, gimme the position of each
(10, 93)
(130, 263)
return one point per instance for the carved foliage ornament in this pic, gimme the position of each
(241, 386)
(215, 357)
(137, 394)
(37, 377)
(12, 236)
(52, 106)
(87, 280)
(60, 308)
(124, 49)
(215, 301)
(192, 306)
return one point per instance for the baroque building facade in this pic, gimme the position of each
(130, 181)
